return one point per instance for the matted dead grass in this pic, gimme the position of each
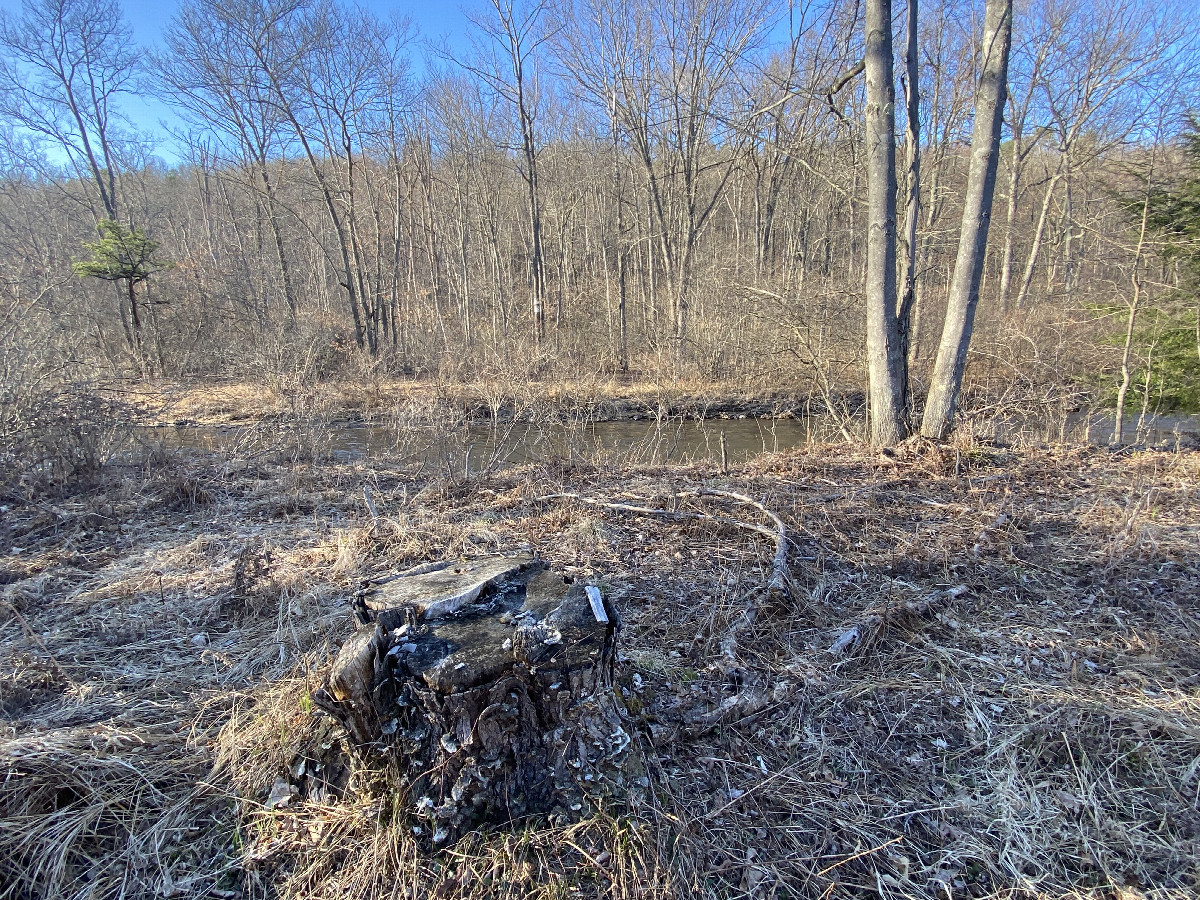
(986, 680)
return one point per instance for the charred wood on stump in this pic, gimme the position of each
(486, 688)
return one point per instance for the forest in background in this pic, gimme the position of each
(668, 192)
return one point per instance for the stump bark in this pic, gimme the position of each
(485, 688)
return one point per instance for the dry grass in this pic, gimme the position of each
(377, 398)
(1034, 734)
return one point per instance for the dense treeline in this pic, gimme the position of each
(596, 186)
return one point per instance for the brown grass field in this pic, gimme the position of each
(984, 680)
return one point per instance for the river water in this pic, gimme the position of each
(473, 448)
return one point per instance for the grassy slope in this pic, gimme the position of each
(1036, 733)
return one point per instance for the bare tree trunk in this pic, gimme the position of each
(1014, 183)
(1126, 374)
(289, 292)
(1019, 152)
(1068, 224)
(977, 213)
(619, 243)
(394, 304)
(1039, 235)
(912, 209)
(137, 327)
(884, 358)
(516, 33)
(537, 264)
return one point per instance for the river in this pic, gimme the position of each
(473, 448)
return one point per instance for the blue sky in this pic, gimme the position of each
(148, 18)
(437, 22)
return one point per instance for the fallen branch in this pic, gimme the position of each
(778, 579)
(750, 701)
(779, 572)
(777, 584)
(871, 623)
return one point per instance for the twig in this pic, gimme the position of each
(371, 506)
(665, 513)
(37, 640)
(778, 580)
(858, 855)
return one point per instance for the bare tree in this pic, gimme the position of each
(349, 61)
(1102, 73)
(1028, 59)
(63, 66)
(509, 64)
(977, 212)
(672, 68)
(912, 206)
(65, 63)
(947, 74)
(1135, 302)
(210, 76)
(885, 357)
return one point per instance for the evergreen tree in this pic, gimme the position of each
(1174, 214)
(123, 254)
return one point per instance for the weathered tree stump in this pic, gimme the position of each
(485, 688)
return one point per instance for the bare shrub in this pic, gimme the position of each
(55, 436)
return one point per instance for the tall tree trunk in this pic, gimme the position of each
(537, 271)
(619, 243)
(394, 302)
(1014, 191)
(912, 209)
(977, 213)
(289, 293)
(138, 349)
(1068, 240)
(1039, 235)
(884, 357)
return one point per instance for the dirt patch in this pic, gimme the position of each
(982, 680)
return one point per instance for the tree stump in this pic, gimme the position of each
(486, 689)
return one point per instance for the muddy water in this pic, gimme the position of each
(478, 447)
(481, 447)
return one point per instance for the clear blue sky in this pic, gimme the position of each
(434, 21)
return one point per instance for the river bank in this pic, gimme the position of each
(982, 679)
(378, 400)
